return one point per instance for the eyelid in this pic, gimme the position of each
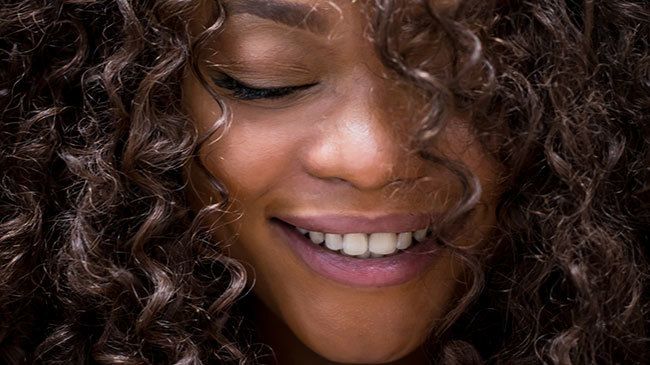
(269, 71)
(226, 78)
(245, 91)
(240, 83)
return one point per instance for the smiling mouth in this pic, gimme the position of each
(360, 251)
(362, 236)
(364, 245)
(369, 243)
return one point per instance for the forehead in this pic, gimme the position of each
(312, 15)
(321, 17)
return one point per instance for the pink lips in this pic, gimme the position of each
(354, 224)
(351, 271)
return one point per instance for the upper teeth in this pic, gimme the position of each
(365, 245)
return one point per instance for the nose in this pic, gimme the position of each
(361, 143)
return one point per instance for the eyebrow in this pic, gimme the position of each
(288, 13)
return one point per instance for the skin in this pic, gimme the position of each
(340, 146)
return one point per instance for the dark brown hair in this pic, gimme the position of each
(102, 261)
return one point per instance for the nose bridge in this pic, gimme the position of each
(359, 143)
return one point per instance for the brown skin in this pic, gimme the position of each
(337, 147)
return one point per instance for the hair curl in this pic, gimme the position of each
(102, 261)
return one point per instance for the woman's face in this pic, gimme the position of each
(320, 143)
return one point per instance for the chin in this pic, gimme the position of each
(381, 356)
(348, 351)
(364, 357)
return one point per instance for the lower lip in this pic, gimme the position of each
(371, 272)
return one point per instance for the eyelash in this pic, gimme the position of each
(246, 92)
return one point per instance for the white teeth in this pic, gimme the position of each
(419, 235)
(404, 240)
(317, 237)
(364, 245)
(364, 255)
(382, 243)
(334, 241)
(355, 243)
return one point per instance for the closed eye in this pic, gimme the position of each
(243, 91)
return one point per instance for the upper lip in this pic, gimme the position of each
(348, 223)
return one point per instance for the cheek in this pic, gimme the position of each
(458, 142)
(251, 158)
(247, 160)
(250, 155)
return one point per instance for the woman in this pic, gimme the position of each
(309, 181)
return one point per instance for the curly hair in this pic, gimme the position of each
(102, 260)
